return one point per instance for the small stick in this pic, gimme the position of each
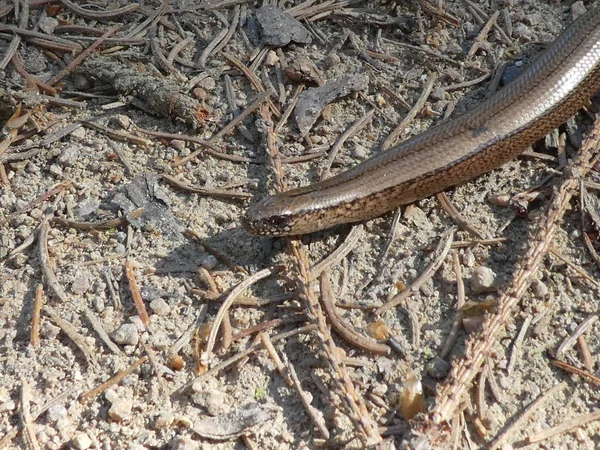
(73, 334)
(14, 431)
(339, 143)
(228, 362)
(16, 60)
(101, 225)
(456, 216)
(290, 108)
(395, 134)
(342, 328)
(576, 370)
(565, 426)
(205, 191)
(576, 268)
(51, 279)
(178, 48)
(30, 438)
(234, 23)
(517, 345)
(265, 96)
(482, 35)
(279, 365)
(35, 318)
(118, 135)
(442, 250)
(213, 251)
(112, 381)
(135, 293)
(570, 340)
(100, 15)
(84, 54)
(315, 415)
(254, 80)
(207, 356)
(584, 351)
(462, 244)
(338, 254)
(99, 329)
(460, 301)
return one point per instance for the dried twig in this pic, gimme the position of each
(442, 251)
(568, 425)
(136, 296)
(478, 346)
(35, 317)
(29, 435)
(344, 329)
(73, 334)
(208, 355)
(523, 416)
(112, 381)
(51, 279)
(416, 109)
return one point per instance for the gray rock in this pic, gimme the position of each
(279, 28)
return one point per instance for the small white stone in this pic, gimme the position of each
(483, 280)
(164, 420)
(271, 58)
(160, 307)
(81, 441)
(120, 410)
(56, 412)
(127, 334)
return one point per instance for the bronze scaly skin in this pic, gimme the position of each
(552, 89)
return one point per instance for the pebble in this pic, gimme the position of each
(78, 134)
(69, 156)
(7, 406)
(81, 284)
(49, 331)
(121, 120)
(209, 262)
(271, 58)
(81, 441)
(577, 9)
(120, 410)
(208, 83)
(56, 412)
(483, 279)
(164, 420)
(55, 170)
(127, 334)
(160, 307)
(36, 213)
(540, 290)
(48, 24)
(214, 401)
(178, 144)
(360, 152)
(438, 368)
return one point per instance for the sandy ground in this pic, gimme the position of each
(148, 409)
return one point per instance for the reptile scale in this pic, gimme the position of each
(558, 83)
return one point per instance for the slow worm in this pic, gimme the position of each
(559, 82)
